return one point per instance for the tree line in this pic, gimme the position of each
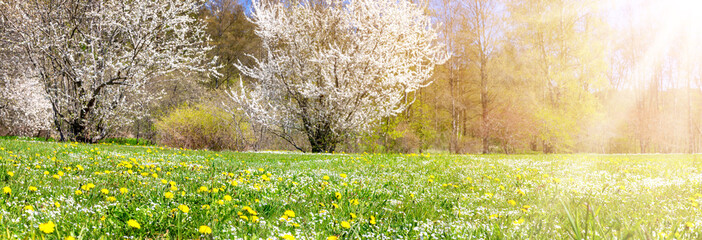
(517, 75)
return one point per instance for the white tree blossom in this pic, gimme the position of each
(332, 68)
(24, 106)
(95, 57)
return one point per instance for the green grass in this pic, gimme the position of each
(40, 139)
(128, 141)
(410, 196)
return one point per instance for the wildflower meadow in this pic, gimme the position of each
(80, 191)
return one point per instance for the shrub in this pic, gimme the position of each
(201, 127)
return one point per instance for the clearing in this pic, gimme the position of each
(59, 190)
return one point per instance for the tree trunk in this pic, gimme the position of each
(484, 107)
(320, 144)
(322, 139)
(690, 132)
(77, 128)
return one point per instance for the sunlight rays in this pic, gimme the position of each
(665, 32)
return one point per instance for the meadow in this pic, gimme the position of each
(105, 191)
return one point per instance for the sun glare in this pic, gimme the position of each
(667, 26)
(684, 15)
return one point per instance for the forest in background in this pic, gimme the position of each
(552, 76)
(558, 76)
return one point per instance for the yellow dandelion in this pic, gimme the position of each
(205, 229)
(168, 195)
(288, 237)
(249, 210)
(134, 224)
(184, 208)
(289, 213)
(32, 188)
(48, 227)
(345, 224)
(7, 190)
